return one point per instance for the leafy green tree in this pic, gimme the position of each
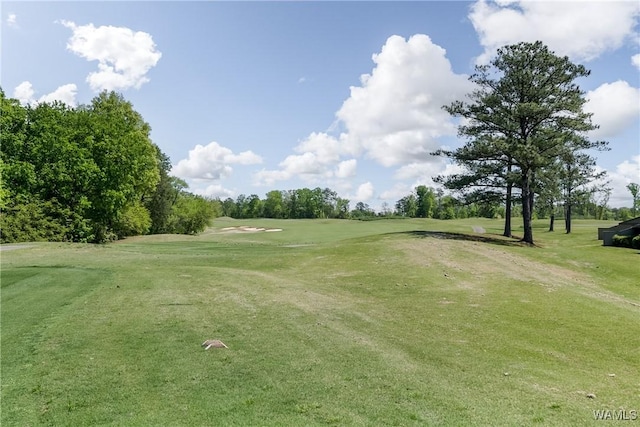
(134, 220)
(125, 156)
(18, 174)
(342, 208)
(362, 210)
(254, 207)
(328, 203)
(576, 172)
(407, 206)
(622, 214)
(425, 201)
(229, 208)
(88, 174)
(191, 214)
(308, 203)
(160, 202)
(59, 141)
(33, 221)
(45, 172)
(527, 108)
(241, 206)
(274, 205)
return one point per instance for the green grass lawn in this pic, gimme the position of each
(391, 322)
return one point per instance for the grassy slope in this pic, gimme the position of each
(328, 322)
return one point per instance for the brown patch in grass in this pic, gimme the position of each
(489, 258)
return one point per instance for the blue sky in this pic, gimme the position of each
(247, 97)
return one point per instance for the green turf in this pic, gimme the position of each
(391, 322)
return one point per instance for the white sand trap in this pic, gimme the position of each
(248, 229)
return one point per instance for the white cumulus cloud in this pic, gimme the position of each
(398, 191)
(267, 177)
(346, 169)
(214, 191)
(396, 114)
(615, 107)
(635, 60)
(394, 117)
(12, 20)
(124, 56)
(25, 93)
(364, 192)
(65, 93)
(583, 30)
(212, 162)
(419, 170)
(319, 158)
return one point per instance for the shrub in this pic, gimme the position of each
(635, 242)
(190, 214)
(34, 221)
(622, 241)
(134, 220)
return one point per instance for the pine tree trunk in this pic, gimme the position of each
(507, 212)
(551, 220)
(527, 207)
(567, 219)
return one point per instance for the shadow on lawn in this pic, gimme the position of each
(491, 239)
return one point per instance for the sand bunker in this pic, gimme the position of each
(246, 229)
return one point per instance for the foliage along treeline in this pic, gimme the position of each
(303, 203)
(422, 202)
(88, 174)
(291, 204)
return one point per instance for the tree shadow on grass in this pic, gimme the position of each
(491, 239)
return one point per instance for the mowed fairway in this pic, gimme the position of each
(391, 322)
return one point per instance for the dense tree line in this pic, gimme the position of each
(88, 174)
(291, 204)
(426, 202)
(305, 203)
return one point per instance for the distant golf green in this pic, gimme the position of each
(390, 322)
